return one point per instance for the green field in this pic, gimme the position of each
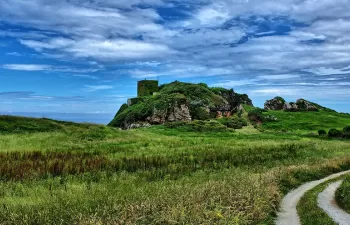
(63, 173)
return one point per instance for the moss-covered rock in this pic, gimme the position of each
(180, 101)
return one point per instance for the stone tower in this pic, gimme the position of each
(147, 87)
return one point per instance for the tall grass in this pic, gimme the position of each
(99, 175)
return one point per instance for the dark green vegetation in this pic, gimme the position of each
(308, 210)
(147, 87)
(342, 195)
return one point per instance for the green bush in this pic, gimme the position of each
(200, 113)
(346, 132)
(334, 133)
(322, 133)
(257, 116)
(233, 122)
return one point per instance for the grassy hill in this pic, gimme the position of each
(307, 121)
(17, 124)
(197, 99)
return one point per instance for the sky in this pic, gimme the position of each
(75, 56)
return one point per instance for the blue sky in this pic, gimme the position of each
(86, 56)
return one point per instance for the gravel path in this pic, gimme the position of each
(288, 214)
(327, 202)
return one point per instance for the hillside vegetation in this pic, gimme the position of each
(16, 124)
(179, 101)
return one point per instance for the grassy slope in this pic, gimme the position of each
(342, 195)
(95, 174)
(307, 121)
(16, 124)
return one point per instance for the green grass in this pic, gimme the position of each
(308, 210)
(342, 195)
(89, 174)
(307, 121)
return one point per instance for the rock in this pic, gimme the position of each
(276, 103)
(138, 125)
(290, 106)
(178, 113)
(235, 100)
(304, 105)
(279, 103)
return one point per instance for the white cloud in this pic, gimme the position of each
(103, 50)
(14, 54)
(235, 83)
(277, 91)
(92, 88)
(86, 76)
(328, 71)
(27, 67)
(278, 77)
(42, 67)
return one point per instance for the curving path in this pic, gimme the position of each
(328, 204)
(288, 214)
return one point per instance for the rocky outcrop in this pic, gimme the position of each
(304, 105)
(179, 102)
(138, 125)
(290, 107)
(173, 114)
(279, 103)
(276, 103)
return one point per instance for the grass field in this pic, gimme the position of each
(90, 174)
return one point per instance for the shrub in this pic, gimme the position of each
(322, 133)
(257, 116)
(200, 113)
(234, 122)
(334, 133)
(346, 132)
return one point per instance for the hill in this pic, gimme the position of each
(179, 101)
(17, 124)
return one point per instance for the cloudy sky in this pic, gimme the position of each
(85, 56)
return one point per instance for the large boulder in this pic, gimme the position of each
(179, 112)
(291, 106)
(304, 105)
(279, 103)
(276, 103)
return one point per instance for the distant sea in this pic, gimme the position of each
(97, 118)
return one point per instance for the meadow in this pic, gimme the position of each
(55, 172)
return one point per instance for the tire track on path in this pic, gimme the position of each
(288, 214)
(326, 201)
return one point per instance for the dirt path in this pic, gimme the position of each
(288, 214)
(328, 204)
